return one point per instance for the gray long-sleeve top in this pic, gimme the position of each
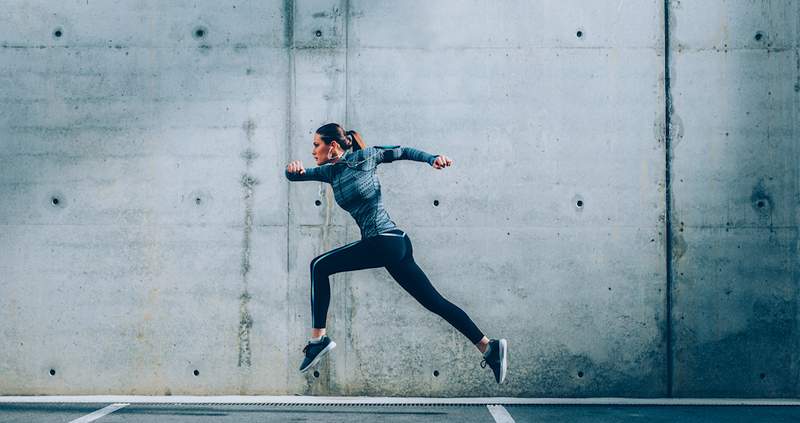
(356, 187)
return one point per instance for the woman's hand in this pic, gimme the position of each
(296, 167)
(441, 162)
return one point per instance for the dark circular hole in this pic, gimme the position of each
(762, 375)
(318, 33)
(580, 203)
(436, 203)
(580, 374)
(197, 200)
(55, 201)
(52, 372)
(199, 32)
(317, 202)
(760, 203)
(435, 373)
(57, 33)
(759, 36)
(579, 34)
(196, 372)
(316, 373)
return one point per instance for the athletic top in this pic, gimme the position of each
(355, 185)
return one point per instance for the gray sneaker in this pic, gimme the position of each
(497, 358)
(315, 351)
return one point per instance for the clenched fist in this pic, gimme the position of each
(441, 162)
(296, 167)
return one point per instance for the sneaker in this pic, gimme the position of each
(497, 358)
(315, 351)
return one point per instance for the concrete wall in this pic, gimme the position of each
(151, 244)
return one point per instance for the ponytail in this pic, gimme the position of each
(331, 132)
(356, 143)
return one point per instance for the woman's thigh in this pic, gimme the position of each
(378, 251)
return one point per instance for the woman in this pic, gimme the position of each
(345, 163)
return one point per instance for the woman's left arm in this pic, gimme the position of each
(391, 153)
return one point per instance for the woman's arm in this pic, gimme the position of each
(320, 173)
(390, 153)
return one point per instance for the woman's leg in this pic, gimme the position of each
(408, 274)
(363, 254)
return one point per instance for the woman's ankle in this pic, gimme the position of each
(483, 344)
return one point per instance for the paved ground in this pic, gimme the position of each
(27, 409)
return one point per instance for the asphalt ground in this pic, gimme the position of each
(145, 409)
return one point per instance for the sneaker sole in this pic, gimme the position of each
(318, 357)
(503, 359)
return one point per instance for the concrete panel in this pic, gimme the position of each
(150, 25)
(524, 157)
(124, 309)
(734, 79)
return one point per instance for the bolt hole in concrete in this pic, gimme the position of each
(318, 203)
(436, 203)
(199, 32)
(318, 33)
(580, 374)
(197, 200)
(52, 372)
(57, 33)
(196, 372)
(55, 201)
(759, 36)
(579, 34)
(579, 203)
(435, 373)
(316, 373)
(760, 203)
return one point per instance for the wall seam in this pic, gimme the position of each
(668, 199)
(288, 29)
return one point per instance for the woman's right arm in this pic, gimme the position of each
(296, 172)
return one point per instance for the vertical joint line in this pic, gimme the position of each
(668, 197)
(346, 61)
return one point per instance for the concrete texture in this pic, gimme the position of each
(153, 246)
(735, 82)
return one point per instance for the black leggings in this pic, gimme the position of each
(391, 249)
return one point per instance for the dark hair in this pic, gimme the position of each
(331, 132)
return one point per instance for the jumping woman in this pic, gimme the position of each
(345, 163)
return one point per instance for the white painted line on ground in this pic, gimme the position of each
(99, 413)
(298, 399)
(500, 414)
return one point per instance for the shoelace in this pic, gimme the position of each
(306, 348)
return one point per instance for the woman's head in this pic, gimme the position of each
(331, 141)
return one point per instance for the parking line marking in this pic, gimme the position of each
(99, 413)
(500, 414)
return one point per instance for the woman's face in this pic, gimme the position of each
(321, 150)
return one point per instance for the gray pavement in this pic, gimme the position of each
(411, 411)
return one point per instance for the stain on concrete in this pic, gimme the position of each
(288, 23)
(248, 183)
(678, 246)
(676, 130)
(760, 199)
(245, 325)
